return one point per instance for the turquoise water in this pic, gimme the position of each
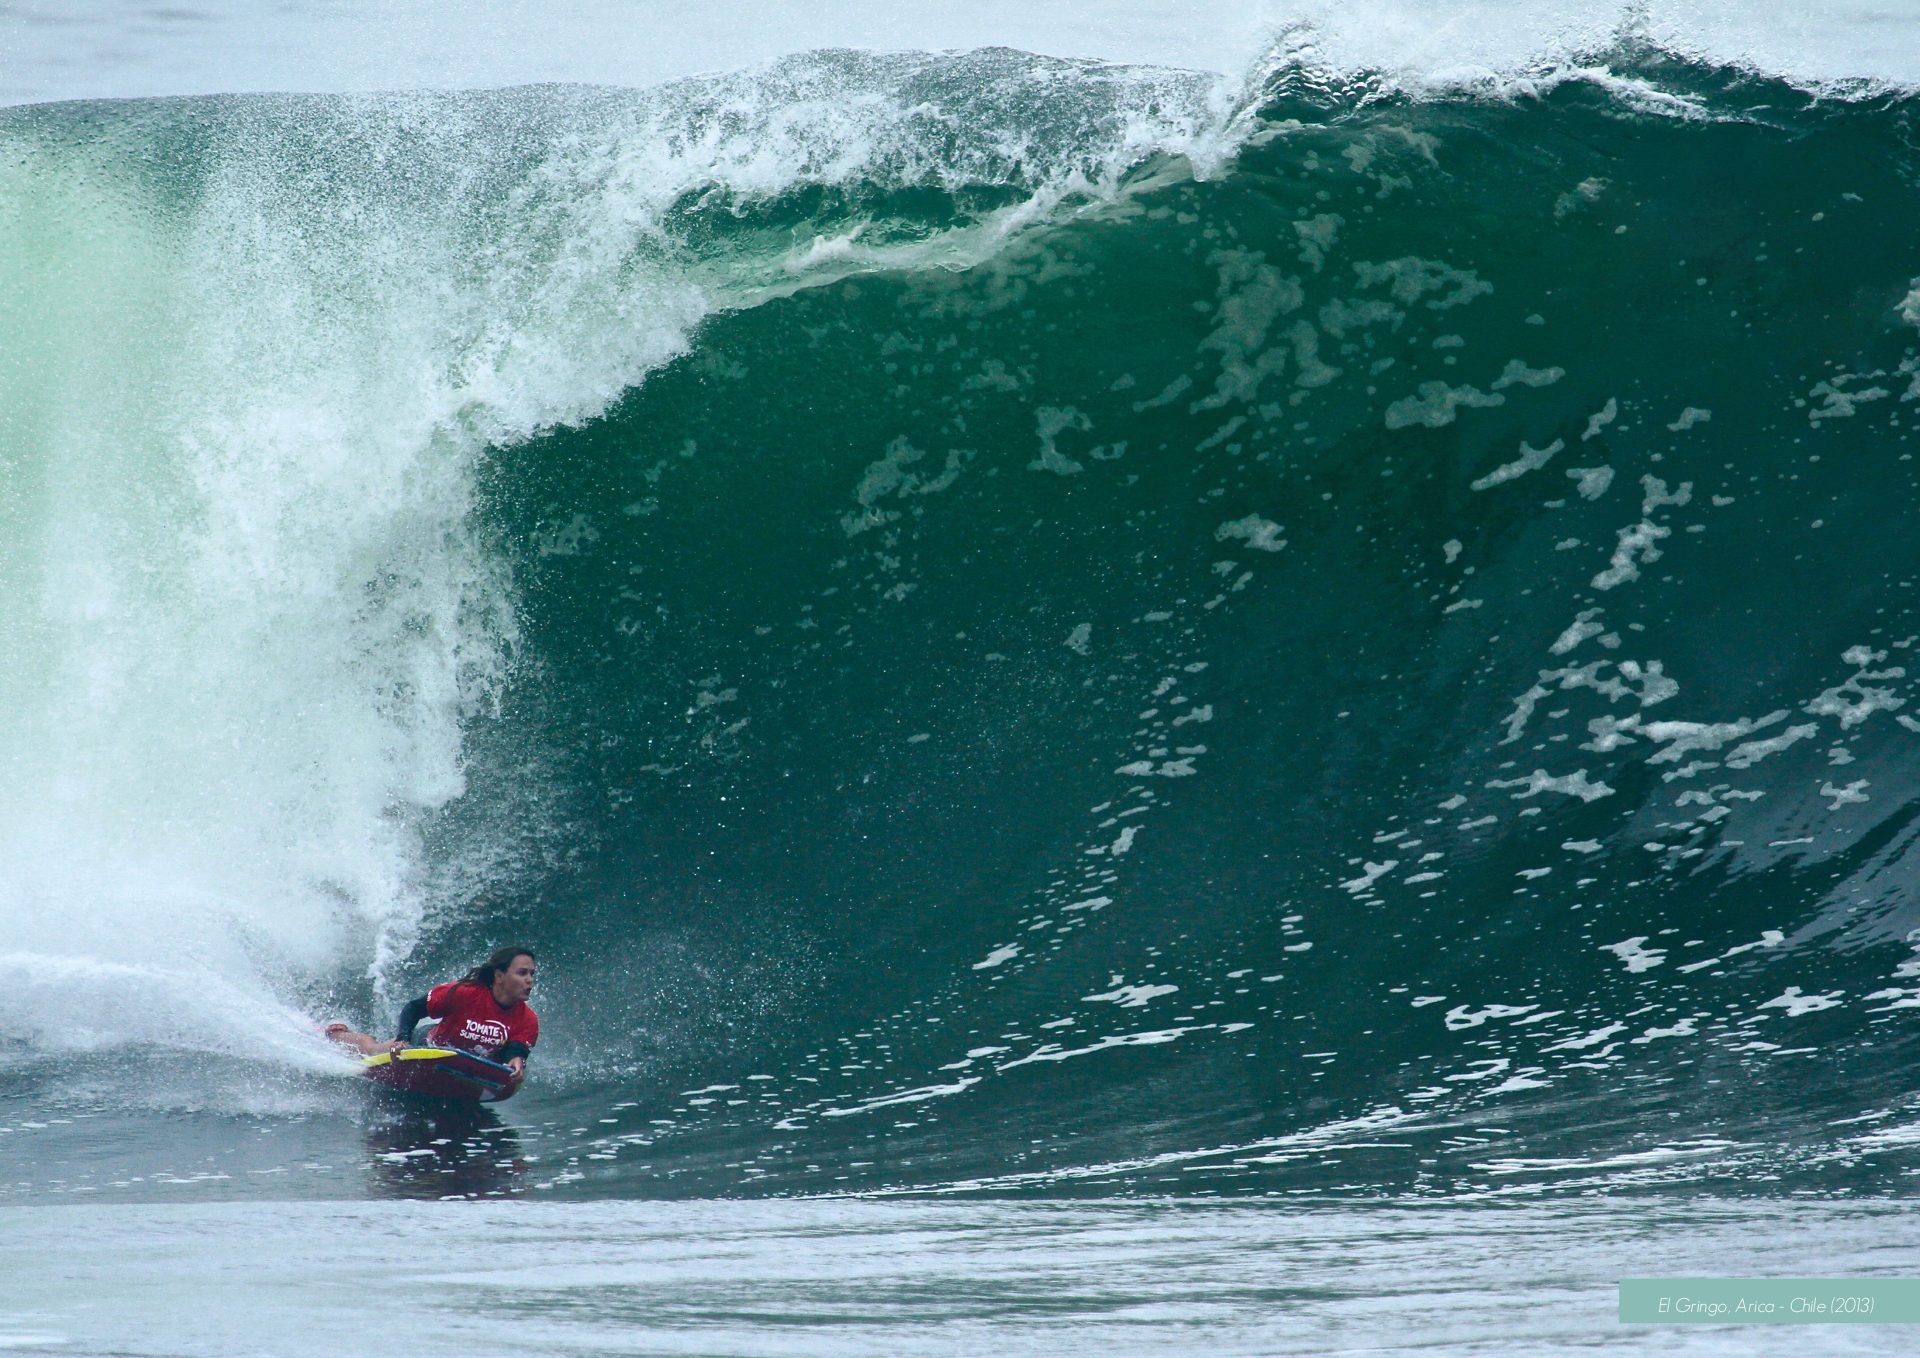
(1009, 627)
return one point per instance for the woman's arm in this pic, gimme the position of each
(410, 1016)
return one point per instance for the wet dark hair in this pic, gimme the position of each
(502, 959)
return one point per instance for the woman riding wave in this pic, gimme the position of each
(484, 1012)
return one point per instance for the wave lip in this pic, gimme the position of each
(420, 44)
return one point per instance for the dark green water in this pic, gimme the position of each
(1364, 648)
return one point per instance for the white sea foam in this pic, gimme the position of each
(1795, 1004)
(1131, 996)
(1575, 784)
(1530, 459)
(1636, 955)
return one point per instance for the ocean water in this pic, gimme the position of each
(849, 1277)
(1265, 660)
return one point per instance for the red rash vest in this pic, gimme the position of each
(471, 1019)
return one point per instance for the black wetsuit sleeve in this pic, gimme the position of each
(506, 1051)
(410, 1016)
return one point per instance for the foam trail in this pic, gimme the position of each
(80, 1004)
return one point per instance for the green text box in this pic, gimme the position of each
(1770, 1301)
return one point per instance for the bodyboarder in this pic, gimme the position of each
(484, 1012)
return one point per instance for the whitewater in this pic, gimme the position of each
(1152, 679)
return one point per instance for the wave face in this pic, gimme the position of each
(1000, 622)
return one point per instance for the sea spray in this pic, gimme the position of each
(272, 346)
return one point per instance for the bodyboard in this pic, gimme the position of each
(442, 1073)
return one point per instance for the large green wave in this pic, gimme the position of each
(1116, 636)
